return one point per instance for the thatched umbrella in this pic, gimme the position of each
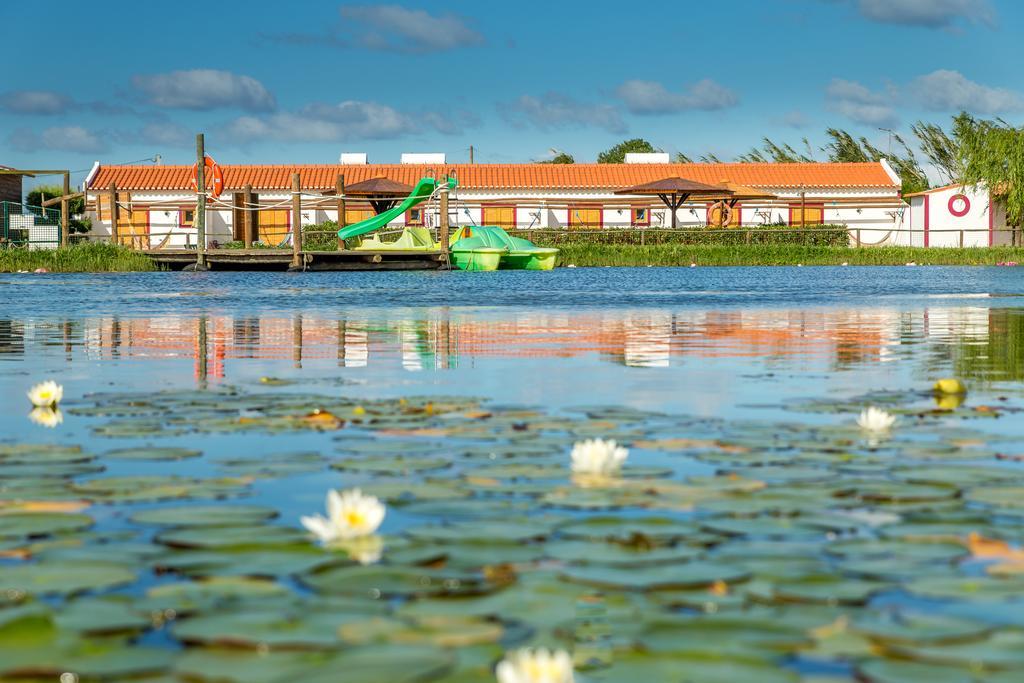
(731, 195)
(674, 192)
(382, 193)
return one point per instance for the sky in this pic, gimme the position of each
(300, 82)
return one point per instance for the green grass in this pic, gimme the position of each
(90, 257)
(779, 255)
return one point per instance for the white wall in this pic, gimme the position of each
(929, 220)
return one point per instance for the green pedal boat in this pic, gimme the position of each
(489, 247)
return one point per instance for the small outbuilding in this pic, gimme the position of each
(10, 186)
(954, 216)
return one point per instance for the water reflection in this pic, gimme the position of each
(978, 343)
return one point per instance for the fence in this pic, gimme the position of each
(28, 227)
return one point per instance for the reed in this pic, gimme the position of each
(580, 254)
(89, 257)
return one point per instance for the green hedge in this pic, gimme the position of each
(819, 236)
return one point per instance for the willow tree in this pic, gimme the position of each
(993, 154)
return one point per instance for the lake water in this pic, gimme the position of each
(755, 533)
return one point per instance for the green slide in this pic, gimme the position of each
(424, 189)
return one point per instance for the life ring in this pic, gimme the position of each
(959, 213)
(719, 210)
(211, 174)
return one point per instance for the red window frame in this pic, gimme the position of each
(805, 207)
(409, 220)
(737, 214)
(485, 207)
(633, 219)
(574, 209)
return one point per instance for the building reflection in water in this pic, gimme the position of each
(984, 343)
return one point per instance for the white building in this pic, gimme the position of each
(157, 203)
(953, 216)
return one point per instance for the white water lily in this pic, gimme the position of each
(597, 456)
(875, 419)
(350, 514)
(536, 666)
(46, 417)
(46, 394)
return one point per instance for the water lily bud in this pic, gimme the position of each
(950, 385)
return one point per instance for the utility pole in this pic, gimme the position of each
(339, 193)
(64, 222)
(443, 229)
(296, 221)
(471, 154)
(200, 217)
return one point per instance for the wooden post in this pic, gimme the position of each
(443, 230)
(961, 239)
(296, 221)
(114, 237)
(339, 189)
(64, 218)
(803, 209)
(200, 216)
(859, 243)
(248, 217)
(675, 208)
(297, 340)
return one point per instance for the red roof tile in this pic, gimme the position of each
(510, 176)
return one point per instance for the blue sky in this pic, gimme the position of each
(276, 82)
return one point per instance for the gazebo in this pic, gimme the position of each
(382, 193)
(675, 192)
(732, 194)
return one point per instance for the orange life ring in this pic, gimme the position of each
(720, 211)
(211, 174)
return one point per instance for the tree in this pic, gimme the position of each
(617, 154)
(993, 154)
(681, 158)
(845, 148)
(560, 158)
(773, 153)
(945, 150)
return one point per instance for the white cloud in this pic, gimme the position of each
(391, 27)
(204, 89)
(555, 110)
(934, 14)
(58, 139)
(651, 97)
(35, 102)
(946, 90)
(349, 120)
(795, 119)
(860, 104)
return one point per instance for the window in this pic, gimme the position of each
(186, 218)
(641, 216)
(501, 216)
(807, 214)
(414, 217)
(732, 218)
(585, 217)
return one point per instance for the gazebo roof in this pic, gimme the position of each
(743, 192)
(675, 185)
(379, 187)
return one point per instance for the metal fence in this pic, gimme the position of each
(28, 227)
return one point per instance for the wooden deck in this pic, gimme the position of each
(280, 259)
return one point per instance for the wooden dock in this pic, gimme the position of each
(280, 259)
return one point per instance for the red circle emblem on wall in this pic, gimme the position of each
(959, 205)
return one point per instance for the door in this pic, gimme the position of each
(274, 226)
(585, 218)
(501, 216)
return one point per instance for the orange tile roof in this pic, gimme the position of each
(510, 176)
